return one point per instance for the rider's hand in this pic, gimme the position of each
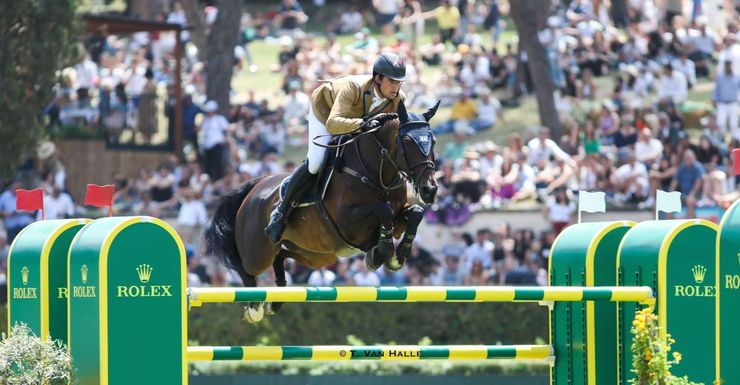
(370, 124)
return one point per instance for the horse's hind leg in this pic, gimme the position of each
(253, 311)
(278, 266)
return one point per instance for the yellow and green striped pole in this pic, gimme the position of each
(419, 294)
(379, 352)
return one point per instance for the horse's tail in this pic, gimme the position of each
(220, 235)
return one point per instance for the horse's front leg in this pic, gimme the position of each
(385, 248)
(412, 216)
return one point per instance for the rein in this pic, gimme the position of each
(400, 176)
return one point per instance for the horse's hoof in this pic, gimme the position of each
(394, 264)
(369, 261)
(254, 315)
(271, 308)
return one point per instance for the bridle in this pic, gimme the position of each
(400, 177)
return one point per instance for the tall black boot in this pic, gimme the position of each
(299, 182)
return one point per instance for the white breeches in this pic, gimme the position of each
(316, 153)
(727, 118)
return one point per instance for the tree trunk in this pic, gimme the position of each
(221, 42)
(197, 25)
(530, 17)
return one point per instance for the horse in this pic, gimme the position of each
(363, 207)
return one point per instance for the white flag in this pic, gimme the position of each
(592, 202)
(668, 202)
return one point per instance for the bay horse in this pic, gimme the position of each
(364, 206)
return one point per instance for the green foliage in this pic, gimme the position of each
(650, 352)
(372, 323)
(38, 39)
(27, 360)
(77, 132)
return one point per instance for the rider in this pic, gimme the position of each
(340, 106)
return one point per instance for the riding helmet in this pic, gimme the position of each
(390, 65)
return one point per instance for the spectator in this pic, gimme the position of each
(477, 275)
(725, 97)
(481, 251)
(364, 277)
(448, 20)
(648, 149)
(560, 211)
(214, 128)
(13, 219)
(488, 111)
(452, 274)
(685, 66)
(455, 150)
(631, 181)
(688, 181)
(290, 17)
(321, 277)
(464, 111)
(58, 205)
(191, 217)
(542, 148)
(673, 85)
(387, 11)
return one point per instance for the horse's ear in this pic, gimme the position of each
(430, 112)
(403, 116)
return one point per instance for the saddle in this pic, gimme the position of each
(333, 161)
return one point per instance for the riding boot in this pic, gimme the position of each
(299, 182)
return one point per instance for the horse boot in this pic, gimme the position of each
(298, 183)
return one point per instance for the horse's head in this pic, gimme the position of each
(414, 150)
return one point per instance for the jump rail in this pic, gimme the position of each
(198, 296)
(377, 352)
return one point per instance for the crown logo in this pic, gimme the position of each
(24, 275)
(699, 271)
(145, 272)
(83, 272)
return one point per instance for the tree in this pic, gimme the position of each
(222, 39)
(530, 17)
(38, 39)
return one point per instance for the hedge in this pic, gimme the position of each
(373, 323)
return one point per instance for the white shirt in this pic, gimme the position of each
(368, 279)
(627, 171)
(296, 106)
(60, 207)
(192, 213)
(648, 151)
(559, 212)
(673, 87)
(214, 129)
(479, 252)
(388, 6)
(377, 100)
(489, 111)
(323, 277)
(489, 166)
(687, 68)
(539, 151)
(87, 73)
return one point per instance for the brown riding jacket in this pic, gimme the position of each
(341, 103)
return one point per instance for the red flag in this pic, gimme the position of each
(736, 161)
(30, 200)
(100, 196)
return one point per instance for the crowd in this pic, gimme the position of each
(622, 86)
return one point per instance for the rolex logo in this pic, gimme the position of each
(699, 271)
(145, 272)
(83, 272)
(24, 275)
